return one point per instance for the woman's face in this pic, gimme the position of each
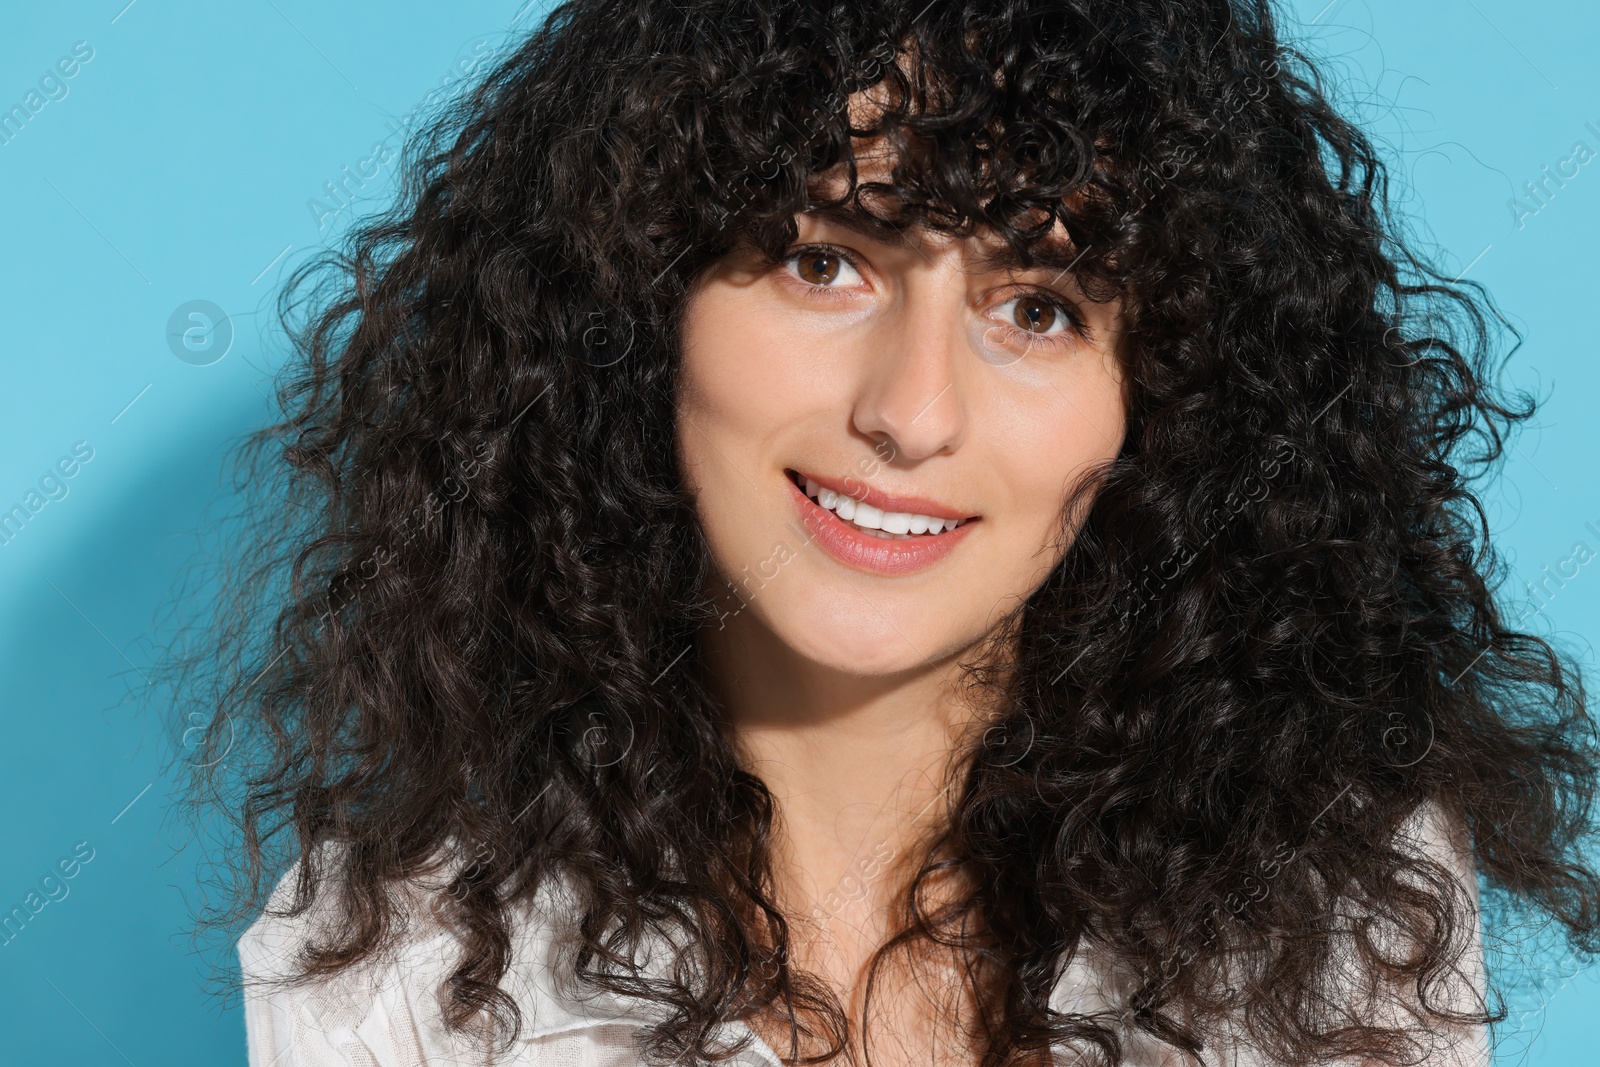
(919, 389)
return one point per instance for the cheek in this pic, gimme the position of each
(739, 383)
(737, 397)
(1043, 450)
(755, 380)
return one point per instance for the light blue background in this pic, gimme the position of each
(179, 166)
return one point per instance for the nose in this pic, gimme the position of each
(911, 392)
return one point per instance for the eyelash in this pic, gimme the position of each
(1075, 323)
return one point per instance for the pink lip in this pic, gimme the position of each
(885, 501)
(877, 555)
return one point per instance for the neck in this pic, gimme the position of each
(860, 768)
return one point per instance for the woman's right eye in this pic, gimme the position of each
(822, 267)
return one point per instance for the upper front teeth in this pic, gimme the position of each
(871, 518)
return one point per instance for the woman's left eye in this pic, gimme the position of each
(1037, 314)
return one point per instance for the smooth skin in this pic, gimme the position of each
(906, 363)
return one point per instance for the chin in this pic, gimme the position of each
(840, 630)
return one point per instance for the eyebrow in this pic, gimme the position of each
(1051, 253)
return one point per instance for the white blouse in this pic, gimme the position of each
(385, 1012)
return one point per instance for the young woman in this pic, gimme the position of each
(922, 533)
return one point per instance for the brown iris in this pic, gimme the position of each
(818, 268)
(1035, 314)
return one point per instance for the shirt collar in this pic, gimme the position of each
(543, 977)
(543, 974)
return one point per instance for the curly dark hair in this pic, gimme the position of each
(1273, 639)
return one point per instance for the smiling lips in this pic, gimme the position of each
(872, 531)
